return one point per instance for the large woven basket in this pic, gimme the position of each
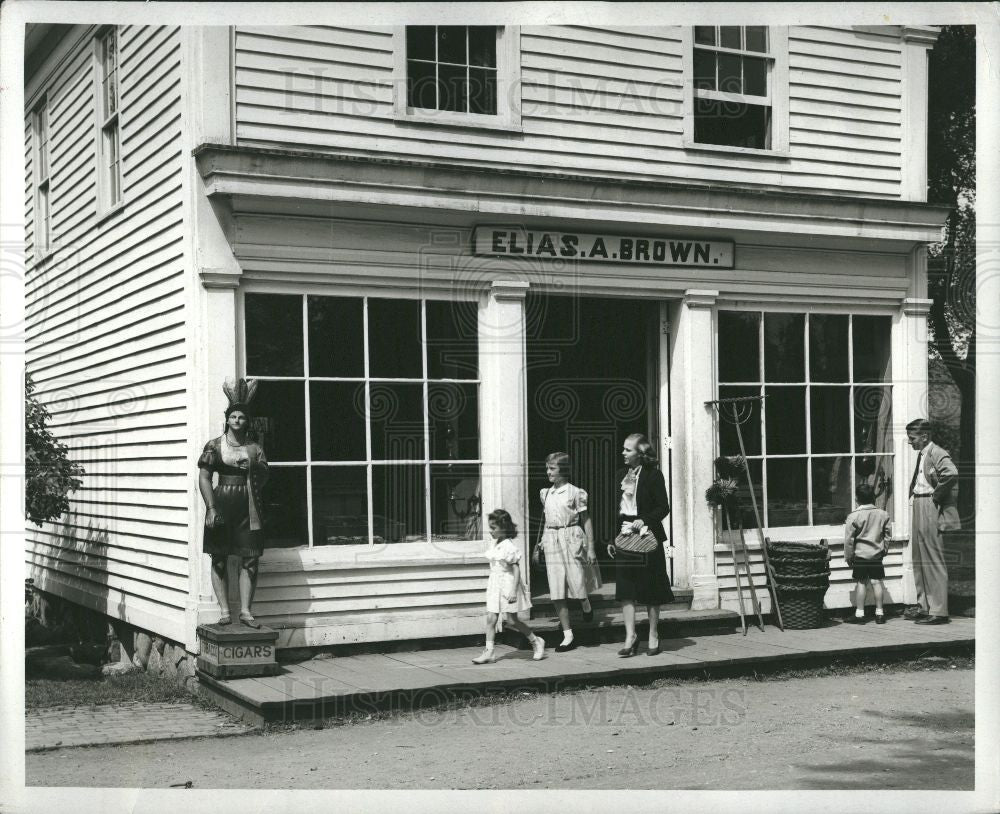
(818, 580)
(776, 550)
(799, 566)
(801, 606)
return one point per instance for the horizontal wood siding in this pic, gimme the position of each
(344, 604)
(105, 342)
(597, 101)
(840, 594)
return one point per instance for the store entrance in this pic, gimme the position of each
(593, 378)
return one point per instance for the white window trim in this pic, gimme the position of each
(508, 115)
(777, 96)
(43, 247)
(106, 207)
(371, 554)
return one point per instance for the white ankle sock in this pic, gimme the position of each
(567, 636)
(878, 612)
(532, 638)
(860, 614)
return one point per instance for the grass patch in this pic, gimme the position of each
(131, 687)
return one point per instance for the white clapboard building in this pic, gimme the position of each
(445, 252)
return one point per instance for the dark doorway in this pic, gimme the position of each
(592, 379)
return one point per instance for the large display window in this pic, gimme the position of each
(368, 411)
(825, 422)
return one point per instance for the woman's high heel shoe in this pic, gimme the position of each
(630, 649)
(655, 650)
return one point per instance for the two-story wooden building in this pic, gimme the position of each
(444, 252)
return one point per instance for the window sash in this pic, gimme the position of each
(467, 66)
(369, 463)
(108, 115)
(738, 98)
(765, 101)
(43, 210)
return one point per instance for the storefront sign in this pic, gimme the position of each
(658, 250)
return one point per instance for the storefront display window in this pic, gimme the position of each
(368, 411)
(825, 423)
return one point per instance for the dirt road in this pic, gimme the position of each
(909, 729)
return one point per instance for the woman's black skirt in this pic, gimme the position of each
(642, 578)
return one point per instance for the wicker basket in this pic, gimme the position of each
(801, 606)
(810, 550)
(817, 580)
(799, 566)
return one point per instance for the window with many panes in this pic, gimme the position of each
(43, 215)
(733, 79)
(368, 412)
(825, 422)
(452, 67)
(109, 139)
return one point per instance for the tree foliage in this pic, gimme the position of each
(951, 174)
(50, 475)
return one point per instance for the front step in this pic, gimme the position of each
(608, 625)
(602, 598)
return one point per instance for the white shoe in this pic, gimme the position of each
(486, 657)
(539, 647)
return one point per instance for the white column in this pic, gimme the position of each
(909, 375)
(212, 279)
(503, 403)
(692, 373)
(917, 43)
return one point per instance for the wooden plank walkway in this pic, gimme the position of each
(323, 687)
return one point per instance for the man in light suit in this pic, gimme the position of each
(935, 510)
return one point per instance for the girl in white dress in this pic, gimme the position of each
(568, 545)
(505, 591)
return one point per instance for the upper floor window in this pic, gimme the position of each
(43, 228)
(458, 75)
(732, 87)
(737, 85)
(109, 146)
(452, 67)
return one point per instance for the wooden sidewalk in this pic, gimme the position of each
(325, 687)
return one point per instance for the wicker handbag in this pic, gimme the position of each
(636, 543)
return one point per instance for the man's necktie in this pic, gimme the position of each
(916, 471)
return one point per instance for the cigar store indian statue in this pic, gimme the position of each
(234, 524)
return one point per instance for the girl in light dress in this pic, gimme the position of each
(568, 545)
(505, 591)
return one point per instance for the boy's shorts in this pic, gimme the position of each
(868, 570)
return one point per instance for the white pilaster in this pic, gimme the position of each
(692, 383)
(917, 43)
(503, 400)
(211, 283)
(910, 401)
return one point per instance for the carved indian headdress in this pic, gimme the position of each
(240, 393)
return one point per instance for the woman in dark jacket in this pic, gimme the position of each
(641, 496)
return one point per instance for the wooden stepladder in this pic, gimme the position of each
(737, 411)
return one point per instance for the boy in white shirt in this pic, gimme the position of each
(866, 534)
